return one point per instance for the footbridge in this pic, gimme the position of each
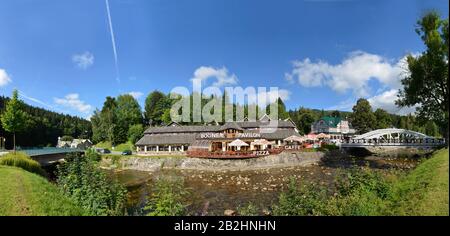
(393, 138)
(47, 156)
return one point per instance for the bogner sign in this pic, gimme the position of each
(212, 135)
(222, 135)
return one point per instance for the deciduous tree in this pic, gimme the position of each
(362, 117)
(426, 83)
(14, 118)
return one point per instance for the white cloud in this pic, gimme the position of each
(73, 101)
(136, 94)
(345, 105)
(386, 101)
(353, 73)
(221, 75)
(4, 78)
(83, 60)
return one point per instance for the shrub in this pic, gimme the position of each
(66, 138)
(23, 161)
(166, 200)
(360, 192)
(362, 180)
(305, 200)
(89, 187)
(92, 155)
(327, 147)
(249, 210)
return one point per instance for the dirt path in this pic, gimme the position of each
(22, 206)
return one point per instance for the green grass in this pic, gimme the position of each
(105, 144)
(124, 146)
(424, 191)
(27, 194)
(22, 160)
(119, 148)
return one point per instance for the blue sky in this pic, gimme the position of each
(320, 53)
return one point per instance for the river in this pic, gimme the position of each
(213, 192)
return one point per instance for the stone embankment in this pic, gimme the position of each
(285, 159)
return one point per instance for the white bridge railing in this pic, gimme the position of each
(393, 143)
(393, 137)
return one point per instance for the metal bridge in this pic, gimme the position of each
(47, 156)
(393, 138)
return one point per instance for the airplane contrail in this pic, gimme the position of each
(113, 41)
(21, 94)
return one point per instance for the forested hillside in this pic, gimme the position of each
(44, 127)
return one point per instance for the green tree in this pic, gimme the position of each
(426, 84)
(99, 134)
(166, 117)
(128, 113)
(362, 117)
(305, 118)
(431, 129)
(109, 118)
(383, 119)
(335, 113)
(135, 133)
(282, 113)
(155, 105)
(14, 118)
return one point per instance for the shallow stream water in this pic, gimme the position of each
(213, 192)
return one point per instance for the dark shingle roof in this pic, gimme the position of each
(161, 139)
(230, 125)
(279, 134)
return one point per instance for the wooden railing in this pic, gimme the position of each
(232, 154)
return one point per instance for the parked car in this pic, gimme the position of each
(126, 152)
(102, 150)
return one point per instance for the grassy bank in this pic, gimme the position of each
(424, 191)
(27, 194)
(23, 161)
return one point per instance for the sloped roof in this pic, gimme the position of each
(237, 143)
(230, 125)
(261, 142)
(279, 134)
(295, 138)
(331, 121)
(166, 139)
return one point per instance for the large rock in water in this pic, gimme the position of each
(229, 212)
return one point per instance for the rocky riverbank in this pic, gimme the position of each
(285, 159)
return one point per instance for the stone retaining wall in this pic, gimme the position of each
(284, 159)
